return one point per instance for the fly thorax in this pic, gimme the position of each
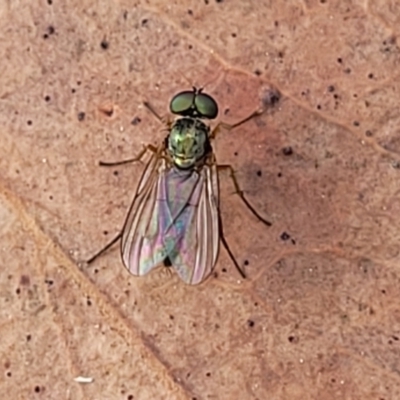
(187, 142)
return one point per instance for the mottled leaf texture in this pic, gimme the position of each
(318, 315)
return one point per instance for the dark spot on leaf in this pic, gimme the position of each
(136, 121)
(250, 323)
(285, 236)
(81, 116)
(107, 111)
(104, 44)
(287, 151)
(270, 97)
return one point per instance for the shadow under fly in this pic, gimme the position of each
(174, 217)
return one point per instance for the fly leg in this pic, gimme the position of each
(224, 125)
(162, 119)
(104, 249)
(149, 147)
(239, 191)
(228, 250)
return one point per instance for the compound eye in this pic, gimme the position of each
(182, 102)
(206, 106)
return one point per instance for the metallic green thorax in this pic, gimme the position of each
(188, 142)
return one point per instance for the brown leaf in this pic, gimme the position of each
(318, 315)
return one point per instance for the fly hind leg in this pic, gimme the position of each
(239, 191)
(104, 249)
(228, 250)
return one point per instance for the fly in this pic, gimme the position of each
(174, 217)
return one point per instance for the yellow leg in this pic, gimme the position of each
(149, 147)
(162, 119)
(239, 191)
(223, 125)
(105, 248)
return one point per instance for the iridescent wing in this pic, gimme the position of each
(157, 218)
(174, 215)
(141, 246)
(196, 249)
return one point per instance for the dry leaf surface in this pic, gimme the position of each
(318, 316)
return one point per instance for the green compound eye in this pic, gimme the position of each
(194, 104)
(182, 102)
(206, 105)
